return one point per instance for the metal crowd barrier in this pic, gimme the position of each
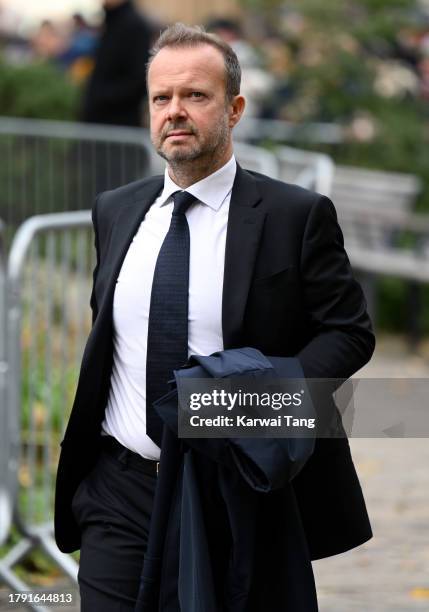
(48, 320)
(276, 130)
(55, 166)
(256, 159)
(6, 474)
(375, 190)
(307, 169)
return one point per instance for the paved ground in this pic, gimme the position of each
(391, 572)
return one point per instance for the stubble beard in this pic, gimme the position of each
(200, 154)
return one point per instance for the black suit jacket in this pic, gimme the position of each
(288, 291)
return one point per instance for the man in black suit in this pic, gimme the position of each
(115, 92)
(265, 268)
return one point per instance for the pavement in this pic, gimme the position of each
(390, 573)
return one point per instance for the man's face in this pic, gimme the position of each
(189, 115)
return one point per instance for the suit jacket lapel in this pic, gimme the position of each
(245, 223)
(244, 231)
(125, 227)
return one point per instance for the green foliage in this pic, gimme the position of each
(392, 293)
(36, 90)
(337, 88)
(344, 67)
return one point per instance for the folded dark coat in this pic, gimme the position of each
(226, 534)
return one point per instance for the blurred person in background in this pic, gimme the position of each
(279, 62)
(256, 82)
(116, 89)
(48, 42)
(115, 94)
(78, 56)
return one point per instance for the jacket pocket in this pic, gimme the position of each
(287, 273)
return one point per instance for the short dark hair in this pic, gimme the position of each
(181, 35)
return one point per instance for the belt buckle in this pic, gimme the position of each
(157, 467)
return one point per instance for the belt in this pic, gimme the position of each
(127, 457)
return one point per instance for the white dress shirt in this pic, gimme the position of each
(125, 416)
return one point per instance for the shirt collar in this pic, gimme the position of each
(211, 190)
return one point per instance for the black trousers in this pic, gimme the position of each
(112, 507)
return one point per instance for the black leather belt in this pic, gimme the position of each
(127, 457)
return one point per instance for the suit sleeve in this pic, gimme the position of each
(93, 301)
(343, 340)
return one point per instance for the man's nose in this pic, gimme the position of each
(176, 108)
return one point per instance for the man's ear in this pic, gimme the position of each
(236, 109)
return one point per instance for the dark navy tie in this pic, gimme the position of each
(167, 340)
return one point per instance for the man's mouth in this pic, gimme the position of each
(178, 133)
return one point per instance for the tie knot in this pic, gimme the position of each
(182, 201)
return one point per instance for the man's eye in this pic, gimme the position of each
(197, 94)
(160, 98)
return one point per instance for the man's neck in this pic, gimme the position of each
(186, 173)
